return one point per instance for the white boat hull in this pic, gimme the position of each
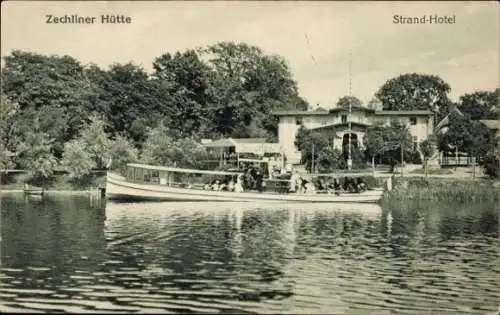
(117, 188)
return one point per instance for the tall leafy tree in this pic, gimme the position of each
(183, 80)
(343, 102)
(92, 149)
(318, 146)
(7, 110)
(387, 142)
(246, 85)
(480, 105)
(466, 135)
(77, 160)
(35, 154)
(130, 100)
(96, 142)
(416, 92)
(123, 152)
(55, 85)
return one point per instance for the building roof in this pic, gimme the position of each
(246, 145)
(361, 108)
(180, 170)
(299, 113)
(230, 142)
(491, 124)
(403, 113)
(338, 109)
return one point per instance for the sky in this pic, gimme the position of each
(315, 38)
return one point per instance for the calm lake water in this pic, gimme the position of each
(71, 254)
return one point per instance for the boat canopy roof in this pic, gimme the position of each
(246, 145)
(180, 170)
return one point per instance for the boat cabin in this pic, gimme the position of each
(172, 176)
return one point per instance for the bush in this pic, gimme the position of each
(122, 153)
(491, 164)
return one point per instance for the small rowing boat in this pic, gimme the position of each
(157, 183)
(33, 191)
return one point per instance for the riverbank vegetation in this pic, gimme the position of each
(444, 189)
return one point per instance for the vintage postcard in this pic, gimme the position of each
(250, 157)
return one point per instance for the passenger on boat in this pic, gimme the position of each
(320, 184)
(223, 187)
(303, 184)
(230, 185)
(360, 184)
(238, 187)
(330, 186)
(294, 181)
(348, 184)
(216, 185)
(336, 184)
(259, 181)
(249, 179)
(309, 188)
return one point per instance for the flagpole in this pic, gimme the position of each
(349, 159)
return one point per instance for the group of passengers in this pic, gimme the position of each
(299, 184)
(253, 179)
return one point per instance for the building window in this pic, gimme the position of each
(298, 121)
(413, 121)
(344, 119)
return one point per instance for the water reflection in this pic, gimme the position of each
(65, 254)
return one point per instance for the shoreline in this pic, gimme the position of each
(52, 191)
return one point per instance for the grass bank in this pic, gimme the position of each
(444, 189)
(60, 181)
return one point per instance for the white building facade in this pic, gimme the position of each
(420, 124)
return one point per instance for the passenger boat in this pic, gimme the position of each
(33, 191)
(147, 182)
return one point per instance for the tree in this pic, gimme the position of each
(416, 92)
(480, 105)
(375, 104)
(183, 79)
(77, 160)
(7, 110)
(130, 101)
(246, 85)
(318, 146)
(96, 143)
(53, 88)
(122, 153)
(427, 150)
(465, 135)
(491, 165)
(35, 155)
(162, 149)
(91, 150)
(390, 143)
(157, 150)
(343, 102)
